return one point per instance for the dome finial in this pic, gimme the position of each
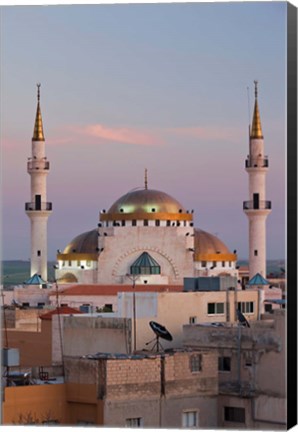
(256, 89)
(256, 129)
(38, 91)
(38, 128)
(146, 180)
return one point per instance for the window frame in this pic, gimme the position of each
(185, 419)
(216, 306)
(195, 363)
(234, 413)
(223, 364)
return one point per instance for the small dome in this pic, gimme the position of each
(209, 247)
(83, 243)
(146, 204)
(208, 243)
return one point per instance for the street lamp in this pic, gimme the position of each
(133, 278)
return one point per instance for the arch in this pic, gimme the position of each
(142, 249)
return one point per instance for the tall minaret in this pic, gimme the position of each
(257, 208)
(38, 209)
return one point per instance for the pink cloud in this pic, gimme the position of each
(126, 135)
(209, 133)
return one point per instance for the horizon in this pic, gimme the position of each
(167, 87)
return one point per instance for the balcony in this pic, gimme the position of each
(38, 165)
(44, 206)
(257, 162)
(260, 205)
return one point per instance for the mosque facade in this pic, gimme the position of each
(147, 236)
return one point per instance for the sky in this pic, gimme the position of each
(124, 87)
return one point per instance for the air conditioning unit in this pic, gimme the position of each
(10, 357)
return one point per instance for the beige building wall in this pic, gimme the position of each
(90, 334)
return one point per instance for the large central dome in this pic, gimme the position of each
(145, 200)
(146, 204)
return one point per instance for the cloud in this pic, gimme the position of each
(127, 135)
(209, 133)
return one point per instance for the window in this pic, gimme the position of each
(234, 414)
(88, 263)
(190, 419)
(214, 264)
(204, 263)
(123, 222)
(224, 364)
(63, 263)
(193, 320)
(134, 222)
(168, 223)
(145, 222)
(79, 263)
(223, 263)
(157, 222)
(38, 253)
(215, 308)
(255, 252)
(195, 363)
(246, 307)
(134, 422)
(69, 263)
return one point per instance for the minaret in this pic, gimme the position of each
(38, 209)
(257, 208)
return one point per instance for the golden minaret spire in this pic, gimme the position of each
(38, 129)
(256, 129)
(146, 180)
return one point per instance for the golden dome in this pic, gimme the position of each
(208, 247)
(83, 243)
(146, 204)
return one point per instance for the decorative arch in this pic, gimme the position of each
(140, 250)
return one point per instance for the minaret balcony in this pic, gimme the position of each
(43, 206)
(260, 205)
(257, 162)
(33, 165)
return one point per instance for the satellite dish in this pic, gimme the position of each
(160, 331)
(242, 319)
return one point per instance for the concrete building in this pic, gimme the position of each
(38, 209)
(120, 333)
(252, 367)
(171, 390)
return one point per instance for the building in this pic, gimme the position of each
(252, 383)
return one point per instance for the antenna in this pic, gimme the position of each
(248, 106)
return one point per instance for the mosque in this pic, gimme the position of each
(146, 235)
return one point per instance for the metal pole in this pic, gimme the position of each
(239, 356)
(134, 316)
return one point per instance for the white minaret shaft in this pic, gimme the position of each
(38, 209)
(257, 208)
